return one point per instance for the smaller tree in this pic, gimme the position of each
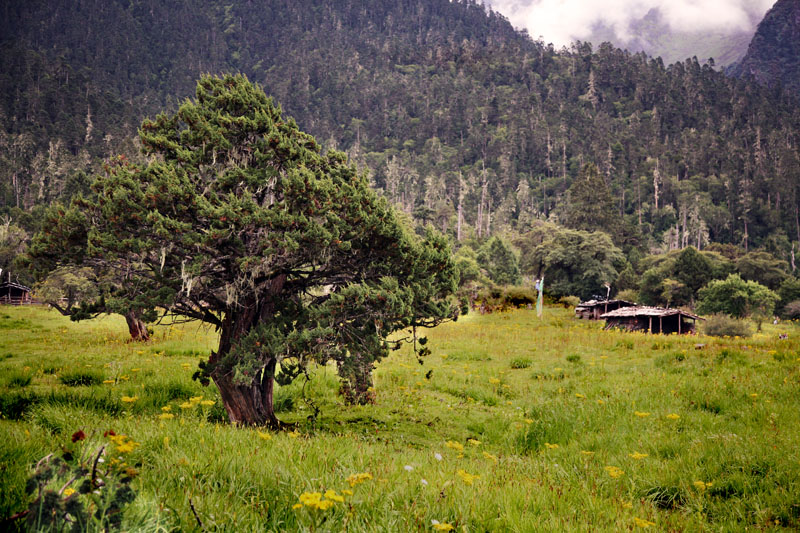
(739, 298)
(574, 262)
(74, 283)
(12, 243)
(590, 206)
(500, 262)
(764, 268)
(789, 292)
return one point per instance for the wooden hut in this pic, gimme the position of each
(14, 293)
(651, 319)
(592, 309)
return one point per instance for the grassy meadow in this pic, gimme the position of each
(514, 423)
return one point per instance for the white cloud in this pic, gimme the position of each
(563, 21)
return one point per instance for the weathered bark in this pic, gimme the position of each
(251, 403)
(136, 327)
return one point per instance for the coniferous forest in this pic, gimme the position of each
(459, 119)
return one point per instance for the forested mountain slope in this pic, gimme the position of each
(451, 110)
(774, 53)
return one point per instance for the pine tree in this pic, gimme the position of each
(240, 221)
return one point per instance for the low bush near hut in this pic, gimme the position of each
(720, 325)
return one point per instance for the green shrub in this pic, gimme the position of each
(569, 301)
(629, 295)
(720, 325)
(732, 356)
(574, 358)
(520, 362)
(81, 377)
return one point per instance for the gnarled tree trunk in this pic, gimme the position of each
(249, 403)
(136, 327)
(252, 404)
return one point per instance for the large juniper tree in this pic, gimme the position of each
(239, 220)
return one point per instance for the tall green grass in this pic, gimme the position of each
(568, 427)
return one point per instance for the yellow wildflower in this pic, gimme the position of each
(627, 505)
(166, 408)
(494, 381)
(207, 403)
(550, 446)
(108, 382)
(129, 399)
(584, 452)
(297, 506)
(467, 477)
(600, 402)
(614, 472)
(347, 492)
(754, 395)
(124, 443)
(186, 405)
(474, 442)
(68, 492)
(528, 421)
(641, 414)
(699, 485)
(355, 479)
(135, 369)
(195, 399)
(311, 499)
(331, 495)
(579, 395)
(673, 416)
(166, 416)
(454, 445)
(443, 527)
(490, 456)
(642, 523)
(184, 365)
(324, 505)
(263, 435)
(638, 455)
(294, 434)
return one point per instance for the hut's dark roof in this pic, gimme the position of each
(12, 285)
(598, 303)
(641, 310)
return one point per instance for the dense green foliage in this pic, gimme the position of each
(573, 262)
(461, 120)
(738, 298)
(705, 439)
(242, 222)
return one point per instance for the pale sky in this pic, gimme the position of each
(562, 21)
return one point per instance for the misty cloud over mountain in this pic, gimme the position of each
(563, 21)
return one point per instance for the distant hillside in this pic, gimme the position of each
(774, 53)
(654, 36)
(460, 120)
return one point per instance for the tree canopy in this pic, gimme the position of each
(240, 221)
(737, 297)
(573, 262)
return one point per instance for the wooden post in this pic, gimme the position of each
(680, 319)
(661, 325)
(651, 323)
